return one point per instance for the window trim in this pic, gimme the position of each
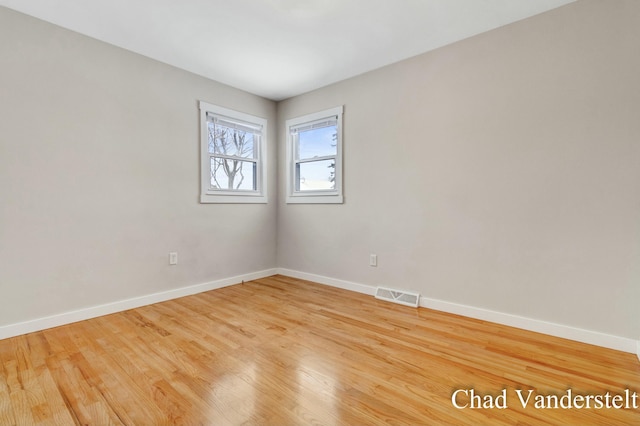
(209, 195)
(323, 196)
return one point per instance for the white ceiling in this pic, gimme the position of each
(281, 48)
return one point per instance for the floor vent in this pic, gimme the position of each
(402, 297)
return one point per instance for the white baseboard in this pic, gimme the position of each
(333, 282)
(558, 330)
(572, 333)
(38, 324)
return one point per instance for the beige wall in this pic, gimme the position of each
(99, 176)
(502, 172)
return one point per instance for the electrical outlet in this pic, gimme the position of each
(173, 258)
(373, 260)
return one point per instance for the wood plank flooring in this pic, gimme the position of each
(281, 351)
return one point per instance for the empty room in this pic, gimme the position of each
(292, 212)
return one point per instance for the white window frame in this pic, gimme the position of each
(216, 195)
(328, 196)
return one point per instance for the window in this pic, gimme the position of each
(314, 157)
(232, 156)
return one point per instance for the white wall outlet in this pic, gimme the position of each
(173, 258)
(373, 260)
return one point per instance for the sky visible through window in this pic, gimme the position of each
(317, 143)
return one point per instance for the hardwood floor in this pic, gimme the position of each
(281, 351)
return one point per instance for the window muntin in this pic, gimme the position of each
(233, 169)
(314, 152)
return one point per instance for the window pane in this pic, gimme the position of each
(316, 175)
(317, 142)
(233, 174)
(229, 141)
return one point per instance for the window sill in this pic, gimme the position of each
(318, 199)
(233, 199)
